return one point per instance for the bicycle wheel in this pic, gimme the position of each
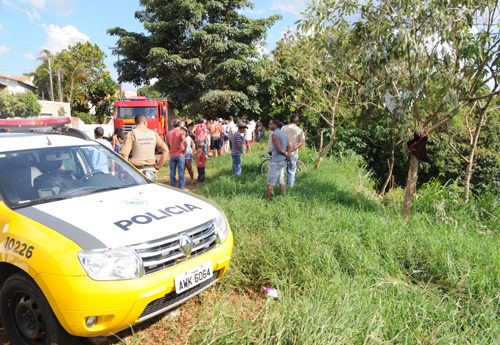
(264, 167)
(301, 167)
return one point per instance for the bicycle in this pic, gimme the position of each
(264, 166)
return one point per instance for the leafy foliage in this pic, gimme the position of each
(79, 78)
(19, 105)
(97, 83)
(202, 54)
(424, 61)
(150, 92)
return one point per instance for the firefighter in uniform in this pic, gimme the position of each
(142, 141)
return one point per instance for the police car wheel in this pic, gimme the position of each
(26, 315)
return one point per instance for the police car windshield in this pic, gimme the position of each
(48, 174)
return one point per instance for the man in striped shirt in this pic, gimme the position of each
(237, 149)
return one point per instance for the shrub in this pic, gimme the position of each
(20, 105)
(29, 105)
(87, 118)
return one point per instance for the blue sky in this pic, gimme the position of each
(29, 26)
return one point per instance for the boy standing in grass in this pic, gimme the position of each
(237, 148)
(200, 162)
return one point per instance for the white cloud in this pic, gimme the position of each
(33, 15)
(57, 7)
(61, 7)
(290, 6)
(30, 57)
(1, 27)
(37, 3)
(4, 50)
(60, 38)
(10, 5)
(250, 11)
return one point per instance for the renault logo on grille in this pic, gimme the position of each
(186, 244)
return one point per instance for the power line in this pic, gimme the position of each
(16, 44)
(13, 70)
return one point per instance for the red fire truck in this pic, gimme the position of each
(159, 113)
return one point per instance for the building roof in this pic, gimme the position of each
(25, 82)
(24, 79)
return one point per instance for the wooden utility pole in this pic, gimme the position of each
(59, 84)
(50, 80)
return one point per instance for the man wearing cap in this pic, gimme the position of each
(237, 149)
(176, 141)
(142, 142)
(280, 154)
(296, 139)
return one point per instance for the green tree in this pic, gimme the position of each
(20, 105)
(75, 78)
(7, 104)
(91, 81)
(81, 78)
(320, 85)
(45, 72)
(28, 105)
(150, 92)
(202, 53)
(474, 121)
(430, 58)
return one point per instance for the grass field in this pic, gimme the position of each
(348, 268)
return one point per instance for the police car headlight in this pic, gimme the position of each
(221, 227)
(111, 263)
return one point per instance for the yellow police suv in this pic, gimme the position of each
(89, 246)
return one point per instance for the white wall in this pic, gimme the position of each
(89, 129)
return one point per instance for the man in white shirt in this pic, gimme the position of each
(296, 138)
(99, 160)
(231, 128)
(249, 135)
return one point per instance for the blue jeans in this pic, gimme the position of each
(291, 170)
(177, 163)
(236, 165)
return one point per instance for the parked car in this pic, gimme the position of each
(89, 246)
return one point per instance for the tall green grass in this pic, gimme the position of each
(349, 269)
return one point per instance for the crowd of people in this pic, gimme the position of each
(188, 142)
(216, 137)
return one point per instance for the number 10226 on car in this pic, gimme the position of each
(193, 277)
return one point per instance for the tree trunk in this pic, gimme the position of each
(59, 85)
(318, 162)
(410, 188)
(324, 151)
(468, 174)
(472, 153)
(389, 175)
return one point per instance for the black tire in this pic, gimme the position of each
(26, 315)
(301, 167)
(264, 167)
